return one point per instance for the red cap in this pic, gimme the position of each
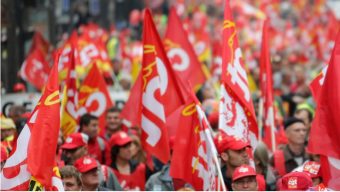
(224, 142)
(75, 140)
(312, 168)
(243, 171)
(19, 87)
(295, 181)
(120, 138)
(85, 164)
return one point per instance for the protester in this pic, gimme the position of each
(233, 153)
(305, 112)
(96, 145)
(8, 129)
(137, 151)
(244, 179)
(88, 167)
(113, 122)
(261, 160)
(314, 170)
(75, 147)
(125, 169)
(293, 154)
(71, 178)
(295, 181)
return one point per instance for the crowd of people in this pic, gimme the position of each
(118, 162)
(116, 159)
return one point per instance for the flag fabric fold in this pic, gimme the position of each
(31, 162)
(237, 115)
(326, 125)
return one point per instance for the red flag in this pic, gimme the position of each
(181, 53)
(94, 97)
(194, 155)
(40, 43)
(155, 95)
(66, 54)
(216, 65)
(266, 85)
(326, 125)
(69, 119)
(35, 150)
(35, 69)
(237, 115)
(90, 51)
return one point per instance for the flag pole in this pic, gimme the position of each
(272, 130)
(211, 143)
(260, 117)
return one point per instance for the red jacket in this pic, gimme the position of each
(97, 149)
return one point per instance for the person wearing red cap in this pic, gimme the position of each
(233, 152)
(113, 122)
(19, 88)
(71, 178)
(89, 170)
(75, 147)
(295, 181)
(313, 169)
(125, 169)
(244, 179)
(97, 146)
(292, 154)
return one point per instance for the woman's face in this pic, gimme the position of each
(135, 147)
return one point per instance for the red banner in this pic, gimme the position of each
(94, 97)
(181, 53)
(35, 69)
(325, 129)
(31, 161)
(155, 95)
(237, 115)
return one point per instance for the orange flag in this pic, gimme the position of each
(181, 53)
(155, 95)
(94, 97)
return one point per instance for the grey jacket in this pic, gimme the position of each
(160, 181)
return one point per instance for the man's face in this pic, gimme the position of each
(91, 129)
(113, 122)
(237, 158)
(296, 133)
(245, 184)
(90, 179)
(73, 154)
(125, 152)
(71, 184)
